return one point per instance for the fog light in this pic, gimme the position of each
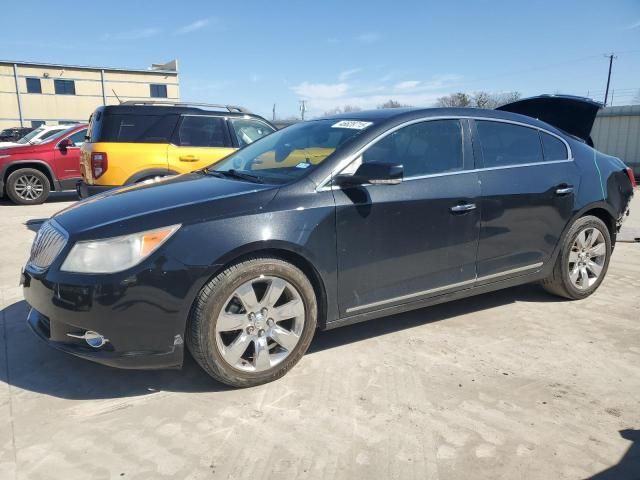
(93, 339)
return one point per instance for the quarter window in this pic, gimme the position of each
(422, 149)
(554, 148)
(508, 144)
(248, 131)
(201, 131)
(33, 85)
(158, 91)
(64, 87)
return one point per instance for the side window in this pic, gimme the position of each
(248, 131)
(554, 148)
(422, 148)
(201, 131)
(507, 144)
(78, 138)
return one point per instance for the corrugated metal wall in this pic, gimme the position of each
(616, 131)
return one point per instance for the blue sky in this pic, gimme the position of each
(332, 53)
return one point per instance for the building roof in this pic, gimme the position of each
(155, 68)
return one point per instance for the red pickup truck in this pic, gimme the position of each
(28, 173)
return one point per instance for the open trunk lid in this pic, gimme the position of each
(574, 115)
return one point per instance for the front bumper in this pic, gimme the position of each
(143, 323)
(43, 328)
(85, 190)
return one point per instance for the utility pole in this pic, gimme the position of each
(273, 115)
(303, 108)
(606, 93)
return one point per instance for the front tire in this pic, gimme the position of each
(583, 260)
(253, 322)
(28, 186)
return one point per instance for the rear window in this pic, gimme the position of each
(126, 128)
(506, 144)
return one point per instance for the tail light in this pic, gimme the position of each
(632, 177)
(99, 164)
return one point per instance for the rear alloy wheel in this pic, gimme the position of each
(28, 186)
(253, 322)
(583, 261)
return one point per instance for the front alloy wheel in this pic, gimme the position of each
(255, 333)
(253, 321)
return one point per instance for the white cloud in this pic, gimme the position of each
(407, 85)
(634, 25)
(368, 37)
(320, 90)
(193, 26)
(348, 73)
(322, 97)
(136, 34)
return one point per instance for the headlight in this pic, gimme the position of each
(115, 254)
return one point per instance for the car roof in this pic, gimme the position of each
(171, 109)
(399, 115)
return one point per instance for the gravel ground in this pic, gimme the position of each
(512, 384)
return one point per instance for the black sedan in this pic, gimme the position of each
(326, 223)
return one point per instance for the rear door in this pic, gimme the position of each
(199, 141)
(527, 183)
(67, 160)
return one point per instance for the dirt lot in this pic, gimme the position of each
(513, 384)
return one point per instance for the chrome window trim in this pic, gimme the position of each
(323, 185)
(445, 287)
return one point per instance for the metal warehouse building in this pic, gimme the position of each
(34, 93)
(616, 131)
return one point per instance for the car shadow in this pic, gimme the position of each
(628, 468)
(54, 197)
(31, 365)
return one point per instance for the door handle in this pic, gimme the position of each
(564, 190)
(466, 207)
(189, 158)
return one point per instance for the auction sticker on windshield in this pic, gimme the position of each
(354, 124)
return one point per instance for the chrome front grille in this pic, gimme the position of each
(49, 242)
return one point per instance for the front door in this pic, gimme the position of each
(402, 243)
(527, 184)
(199, 141)
(67, 159)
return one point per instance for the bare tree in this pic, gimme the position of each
(458, 99)
(392, 104)
(344, 109)
(479, 99)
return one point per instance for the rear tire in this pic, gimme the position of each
(253, 322)
(583, 260)
(28, 186)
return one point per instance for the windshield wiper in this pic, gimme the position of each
(235, 174)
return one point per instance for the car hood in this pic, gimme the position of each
(179, 199)
(574, 115)
(8, 148)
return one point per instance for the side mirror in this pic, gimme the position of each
(373, 172)
(64, 144)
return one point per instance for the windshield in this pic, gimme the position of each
(24, 140)
(288, 154)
